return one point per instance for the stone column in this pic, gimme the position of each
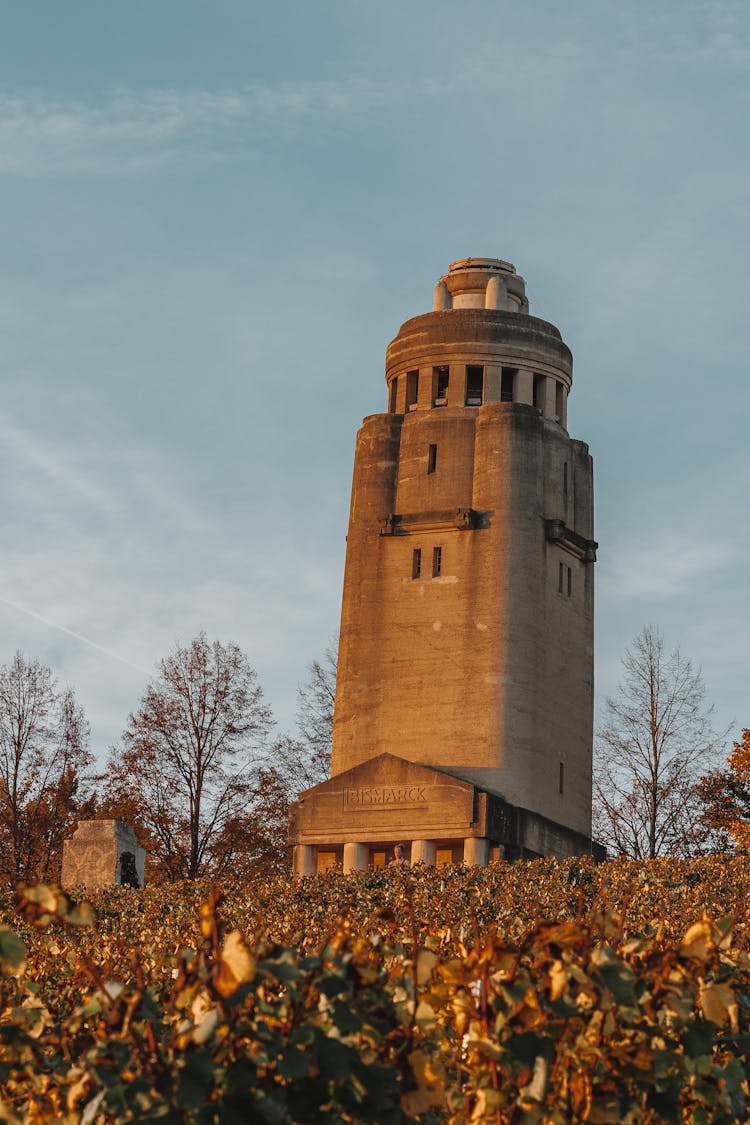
(304, 860)
(424, 398)
(476, 851)
(401, 394)
(355, 857)
(550, 397)
(457, 385)
(492, 382)
(496, 293)
(423, 851)
(442, 298)
(524, 389)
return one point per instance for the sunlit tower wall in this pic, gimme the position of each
(468, 603)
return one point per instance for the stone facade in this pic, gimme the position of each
(467, 615)
(102, 853)
(355, 820)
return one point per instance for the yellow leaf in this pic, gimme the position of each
(487, 1102)
(426, 962)
(558, 980)
(206, 1026)
(42, 895)
(82, 915)
(698, 942)
(237, 964)
(718, 1003)
(38, 1017)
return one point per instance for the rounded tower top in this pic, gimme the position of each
(481, 283)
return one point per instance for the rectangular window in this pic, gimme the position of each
(562, 778)
(443, 856)
(560, 576)
(393, 394)
(437, 561)
(432, 459)
(507, 381)
(326, 861)
(565, 477)
(570, 581)
(440, 379)
(412, 389)
(378, 859)
(474, 385)
(416, 562)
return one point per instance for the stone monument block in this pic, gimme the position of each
(103, 853)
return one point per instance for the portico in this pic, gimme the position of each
(353, 821)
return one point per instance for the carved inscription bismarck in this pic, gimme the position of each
(378, 796)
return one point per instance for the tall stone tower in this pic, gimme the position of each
(464, 702)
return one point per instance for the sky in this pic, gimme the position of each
(215, 217)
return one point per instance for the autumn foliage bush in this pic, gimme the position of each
(533, 992)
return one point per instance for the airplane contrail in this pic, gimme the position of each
(73, 634)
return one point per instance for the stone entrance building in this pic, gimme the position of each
(464, 701)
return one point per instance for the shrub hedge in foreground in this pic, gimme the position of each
(534, 992)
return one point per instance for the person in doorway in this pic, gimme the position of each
(399, 856)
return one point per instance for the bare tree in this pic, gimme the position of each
(298, 762)
(44, 763)
(305, 760)
(187, 769)
(656, 742)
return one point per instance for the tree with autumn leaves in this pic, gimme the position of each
(198, 773)
(186, 770)
(725, 797)
(46, 779)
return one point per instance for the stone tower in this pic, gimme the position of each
(464, 701)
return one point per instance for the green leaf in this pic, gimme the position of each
(12, 951)
(698, 1038)
(332, 986)
(334, 1059)
(196, 1079)
(293, 1064)
(526, 1047)
(345, 1019)
(614, 974)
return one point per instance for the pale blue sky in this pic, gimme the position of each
(215, 217)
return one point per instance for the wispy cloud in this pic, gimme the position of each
(72, 633)
(137, 131)
(36, 459)
(47, 474)
(662, 568)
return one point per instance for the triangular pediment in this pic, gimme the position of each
(387, 770)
